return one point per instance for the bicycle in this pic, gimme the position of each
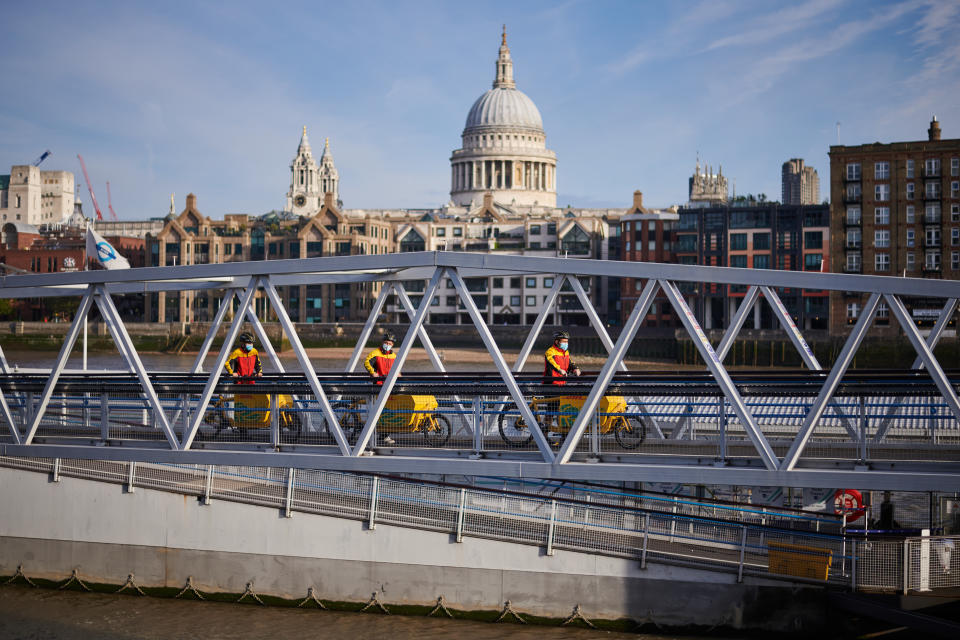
(252, 411)
(402, 414)
(629, 431)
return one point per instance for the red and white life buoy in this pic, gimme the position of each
(849, 502)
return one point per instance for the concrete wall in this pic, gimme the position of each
(162, 538)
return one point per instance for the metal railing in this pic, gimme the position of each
(787, 547)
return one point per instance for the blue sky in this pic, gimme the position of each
(209, 97)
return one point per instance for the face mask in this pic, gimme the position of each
(564, 345)
(386, 347)
(248, 347)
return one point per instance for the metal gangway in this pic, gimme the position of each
(819, 427)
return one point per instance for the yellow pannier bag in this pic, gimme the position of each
(404, 413)
(799, 560)
(569, 408)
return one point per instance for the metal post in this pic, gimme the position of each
(743, 553)
(275, 420)
(56, 469)
(374, 493)
(478, 424)
(853, 566)
(104, 416)
(722, 421)
(208, 489)
(673, 520)
(288, 503)
(830, 385)
(131, 477)
(550, 528)
(646, 539)
(862, 415)
(84, 344)
(906, 565)
(460, 514)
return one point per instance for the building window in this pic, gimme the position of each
(441, 232)
(933, 236)
(547, 283)
(911, 214)
(955, 213)
(882, 262)
(933, 189)
(955, 260)
(911, 237)
(954, 189)
(910, 169)
(738, 262)
(910, 191)
(881, 192)
(932, 213)
(498, 301)
(932, 261)
(853, 171)
(761, 241)
(955, 166)
(761, 261)
(853, 262)
(536, 245)
(853, 192)
(813, 239)
(435, 302)
(853, 311)
(514, 301)
(881, 170)
(534, 229)
(853, 238)
(853, 216)
(531, 283)
(457, 232)
(911, 261)
(451, 301)
(954, 237)
(881, 238)
(498, 283)
(516, 283)
(881, 215)
(931, 167)
(552, 228)
(883, 311)
(531, 301)
(738, 241)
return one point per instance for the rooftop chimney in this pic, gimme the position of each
(638, 200)
(191, 201)
(934, 131)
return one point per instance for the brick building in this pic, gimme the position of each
(646, 236)
(895, 210)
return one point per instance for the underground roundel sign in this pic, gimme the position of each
(850, 502)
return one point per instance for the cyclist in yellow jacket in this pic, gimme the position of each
(379, 361)
(244, 362)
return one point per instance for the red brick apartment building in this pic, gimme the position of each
(895, 210)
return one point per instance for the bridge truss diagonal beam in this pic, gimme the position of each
(498, 360)
(333, 425)
(119, 331)
(190, 432)
(225, 304)
(720, 375)
(374, 412)
(935, 334)
(537, 325)
(739, 318)
(368, 326)
(791, 329)
(830, 384)
(606, 373)
(925, 352)
(37, 413)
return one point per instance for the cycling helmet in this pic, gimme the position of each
(245, 338)
(389, 337)
(561, 334)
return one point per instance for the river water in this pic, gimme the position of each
(42, 614)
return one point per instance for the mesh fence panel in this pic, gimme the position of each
(332, 493)
(189, 479)
(104, 470)
(259, 485)
(506, 518)
(934, 563)
(427, 506)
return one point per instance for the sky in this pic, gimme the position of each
(210, 97)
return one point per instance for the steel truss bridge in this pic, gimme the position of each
(824, 426)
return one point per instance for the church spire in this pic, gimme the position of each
(304, 148)
(504, 78)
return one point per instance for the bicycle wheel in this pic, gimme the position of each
(514, 430)
(630, 432)
(437, 430)
(349, 423)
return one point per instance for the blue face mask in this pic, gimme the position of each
(563, 345)
(386, 347)
(248, 347)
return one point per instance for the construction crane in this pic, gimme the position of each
(113, 214)
(96, 207)
(43, 156)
